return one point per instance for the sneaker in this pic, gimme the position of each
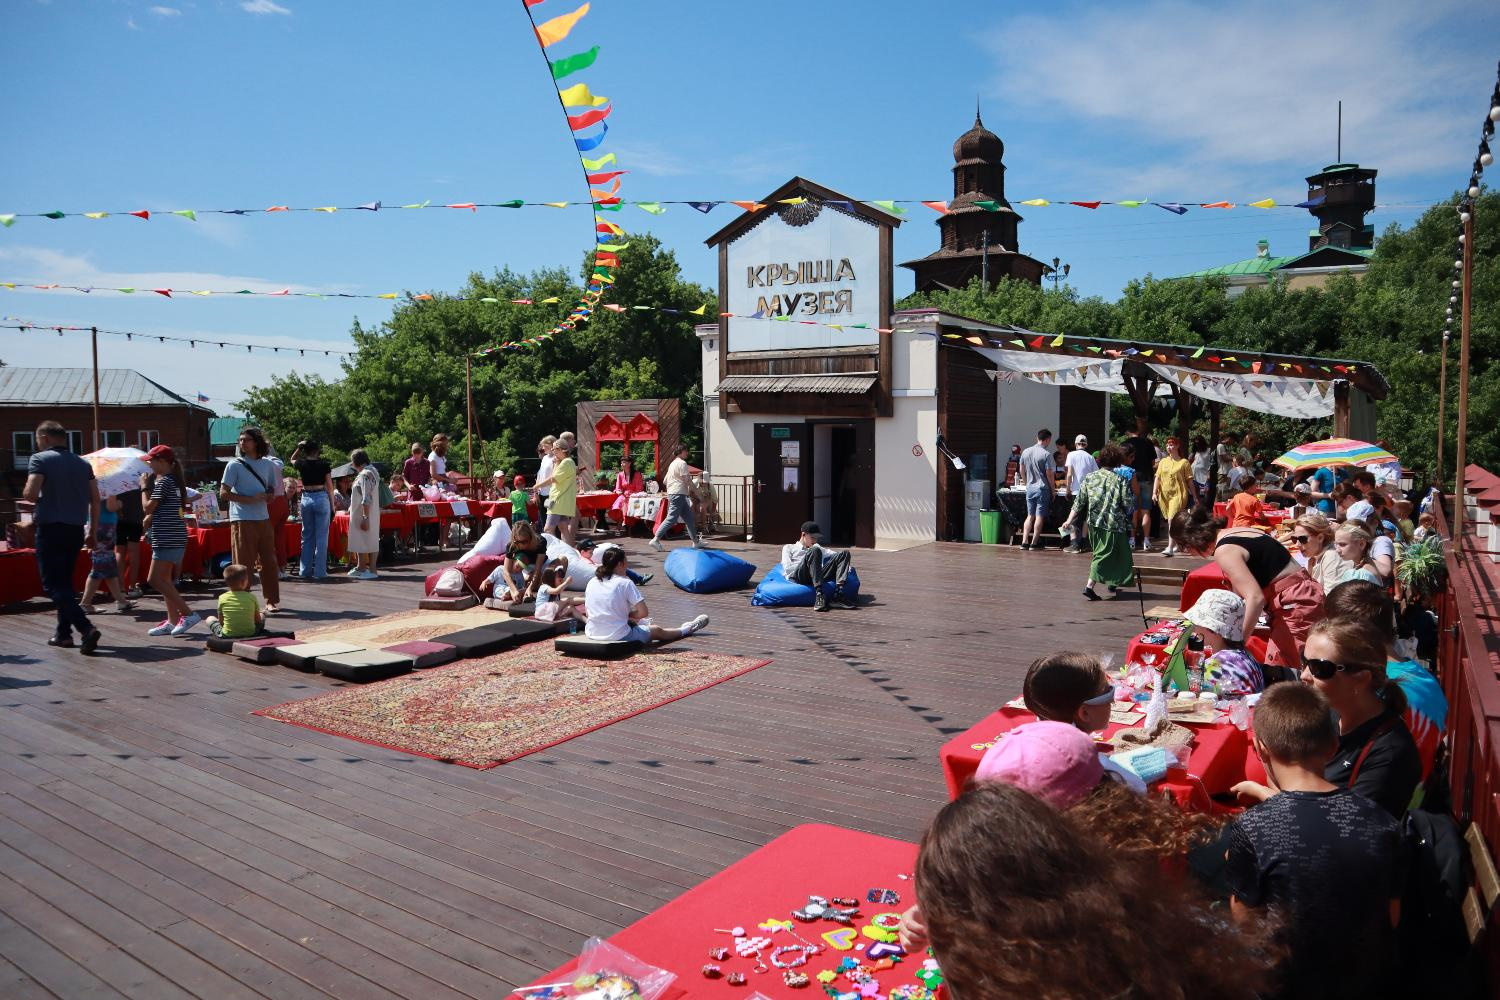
(354, 573)
(188, 624)
(368, 574)
(165, 628)
(841, 600)
(1145, 545)
(90, 641)
(647, 578)
(1168, 552)
(134, 591)
(656, 544)
(124, 606)
(1089, 593)
(688, 628)
(61, 642)
(820, 600)
(700, 544)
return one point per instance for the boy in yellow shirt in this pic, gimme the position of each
(239, 615)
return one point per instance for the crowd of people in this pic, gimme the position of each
(1298, 894)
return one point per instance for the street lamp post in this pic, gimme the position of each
(1057, 272)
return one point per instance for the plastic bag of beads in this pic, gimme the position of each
(617, 975)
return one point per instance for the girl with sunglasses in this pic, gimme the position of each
(1073, 688)
(1345, 661)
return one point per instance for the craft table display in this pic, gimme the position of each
(21, 577)
(758, 894)
(1014, 503)
(1216, 764)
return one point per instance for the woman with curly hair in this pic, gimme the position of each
(1022, 901)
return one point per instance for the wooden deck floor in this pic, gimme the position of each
(157, 840)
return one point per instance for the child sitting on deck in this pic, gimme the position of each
(552, 601)
(239, 614)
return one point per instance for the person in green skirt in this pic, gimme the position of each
(1103, 503)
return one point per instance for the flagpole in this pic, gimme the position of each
(94, 336)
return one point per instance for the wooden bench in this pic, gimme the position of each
(1480, 899)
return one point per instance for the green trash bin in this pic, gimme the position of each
(989, 526)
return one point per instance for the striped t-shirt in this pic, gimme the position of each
(168, 530)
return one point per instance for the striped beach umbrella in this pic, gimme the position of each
(1334, 451)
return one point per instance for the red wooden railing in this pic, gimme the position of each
(1468, 672)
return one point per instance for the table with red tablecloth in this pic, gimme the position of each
(769, 884)
(1273, 516)
(1216, 764)
(21, 577)
(1206, 577)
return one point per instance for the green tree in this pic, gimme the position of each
(406, 379)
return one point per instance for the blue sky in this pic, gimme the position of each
(117, 105)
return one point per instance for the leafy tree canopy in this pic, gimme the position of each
(405, 380)
(1390, 317)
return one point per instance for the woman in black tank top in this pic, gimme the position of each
(1262, 572)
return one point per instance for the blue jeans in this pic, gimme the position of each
(316, 513)
(679, 508)
(57, 548)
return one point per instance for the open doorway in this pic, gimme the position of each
(843, 478)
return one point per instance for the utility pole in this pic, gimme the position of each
(94, 336)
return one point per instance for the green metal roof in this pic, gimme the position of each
(1252, 265)
(224, 430)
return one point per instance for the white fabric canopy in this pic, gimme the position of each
(1283, 396)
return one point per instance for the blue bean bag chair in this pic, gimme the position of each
(707, 571)
(776, 591)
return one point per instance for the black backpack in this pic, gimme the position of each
(1434, 945)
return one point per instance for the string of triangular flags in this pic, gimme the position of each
(1253, 362)
(606, 250)
(606, 199)
(26, 326)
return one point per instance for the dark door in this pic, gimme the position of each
(783, 481)
(861, 473)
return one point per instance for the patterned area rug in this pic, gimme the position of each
(485, 712)
(403, 626)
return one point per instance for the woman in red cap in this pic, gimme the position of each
(163, 496)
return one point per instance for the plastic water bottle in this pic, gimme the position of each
(572, 626)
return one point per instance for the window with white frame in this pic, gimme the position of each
(149, 440)
(75, 442)
(22, 445)
(114, 439)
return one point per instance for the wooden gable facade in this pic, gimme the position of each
(833, 381)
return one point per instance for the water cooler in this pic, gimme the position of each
(976, 497)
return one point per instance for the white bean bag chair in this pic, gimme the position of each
(580, 570)
(492, 543)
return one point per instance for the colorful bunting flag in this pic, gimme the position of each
(940, 207)
(580, 96)
(650, 206)
(890, 206)
(1264, 203)
(749, 206)
(603, 161)
(590, 144)
(579, 122)
(551, 32)
(572, 64)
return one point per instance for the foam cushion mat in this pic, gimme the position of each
(260, 650)
(423, 654)
(303, 656)
(448, 603)
(364, 665)
(582, 645)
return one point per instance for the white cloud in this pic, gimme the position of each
(656, 161)
(130, 23)
(165, 11)
(1233, 88)
(263, 7)
(40, 265)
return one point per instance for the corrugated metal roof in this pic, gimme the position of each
(853, 385)
(225, 430)
(75, 387)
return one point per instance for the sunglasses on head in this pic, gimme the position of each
(1324, 669)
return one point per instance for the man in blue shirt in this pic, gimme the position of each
(66, 496)
(1322, 489)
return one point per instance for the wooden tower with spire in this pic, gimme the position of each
(979, 230)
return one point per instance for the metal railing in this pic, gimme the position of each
(1470, 681)
(735, 497)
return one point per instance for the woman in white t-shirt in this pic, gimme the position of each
(544, 449)
(437, 459)
(616, 610)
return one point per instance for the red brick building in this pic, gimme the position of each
(134, 412)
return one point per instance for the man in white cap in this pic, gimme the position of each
(1080, 464)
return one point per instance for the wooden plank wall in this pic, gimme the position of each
(666, 412)
(966, 419)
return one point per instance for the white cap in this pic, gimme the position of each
(1081, 439)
